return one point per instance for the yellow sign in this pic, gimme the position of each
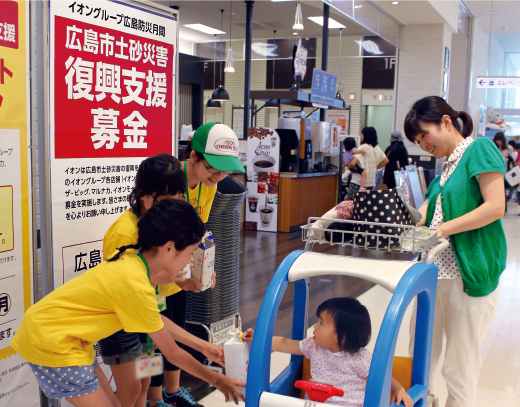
(6, 219)
(15, 197)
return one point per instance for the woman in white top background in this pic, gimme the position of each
(373, 159)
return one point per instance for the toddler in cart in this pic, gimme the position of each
(349, 145)
(337, 351)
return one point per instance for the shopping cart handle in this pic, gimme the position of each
(438, 248)
(318, 391)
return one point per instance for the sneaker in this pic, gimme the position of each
(182, 398)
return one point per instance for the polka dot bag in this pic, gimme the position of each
(382, 207)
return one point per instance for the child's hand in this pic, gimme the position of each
(247, 336)
(402, 396)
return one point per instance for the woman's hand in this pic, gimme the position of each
(214, 353)
(190, 284)
(247, 336)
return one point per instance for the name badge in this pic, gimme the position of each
(161, 302)
(147, 366)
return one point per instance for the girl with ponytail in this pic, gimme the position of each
(159, 177)
(465, 203)
(57, 334)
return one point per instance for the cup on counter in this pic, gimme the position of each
(266, 215)
(253, 203)
(262, 163)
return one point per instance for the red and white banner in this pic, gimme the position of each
(112, 104)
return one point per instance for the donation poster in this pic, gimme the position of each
(263, 160)
(341, 117)
(18, 387)
(112, 73)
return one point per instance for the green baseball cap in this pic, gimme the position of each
(219, 145)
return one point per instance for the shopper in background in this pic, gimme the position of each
(505, 151)
(57, 334)
(373, 159)
(209, 157)
(349, 145)
(465, 203)
(501, 143)
(512, 148)
(158, 177)
(396, 153)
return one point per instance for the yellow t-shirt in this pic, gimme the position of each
(60, 330)
(206, 200)
(122, 233)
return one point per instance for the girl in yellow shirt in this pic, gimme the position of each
(157, 178)
(57, 334)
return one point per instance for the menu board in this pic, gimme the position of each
(263, 161)
(323, 90)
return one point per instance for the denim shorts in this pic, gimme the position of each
(121, 347)
(66, 382)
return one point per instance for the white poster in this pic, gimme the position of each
(112, 92)
(263, 158)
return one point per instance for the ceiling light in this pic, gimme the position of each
(294, 33)
(213, 103)
(204, 28)
(229, 62)
(332, 23)
(395, 2)
(220, 93)
(279, 1)
(352, 96)
(358, 6)
(298, 19)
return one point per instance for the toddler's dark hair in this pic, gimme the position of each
(352, 322)
(168, 220)
(349, 143)
(158, 175)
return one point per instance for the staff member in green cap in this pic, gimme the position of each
(210, 156)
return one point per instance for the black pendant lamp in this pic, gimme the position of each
(220, 93)
(214, 103)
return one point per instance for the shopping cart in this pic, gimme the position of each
(405, 279)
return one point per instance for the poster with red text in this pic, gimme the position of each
(112, 75)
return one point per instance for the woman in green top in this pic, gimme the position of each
(465, 203)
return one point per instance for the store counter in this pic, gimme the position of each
(304, 195)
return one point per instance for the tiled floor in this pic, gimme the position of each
(500, 373)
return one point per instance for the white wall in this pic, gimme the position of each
(421, 65)
(495, 97)
(479, 67)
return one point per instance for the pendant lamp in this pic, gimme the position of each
(229, 61)
(214, 103)
(298, 19)
(340, 85)
(220, 93)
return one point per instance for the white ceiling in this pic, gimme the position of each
(276, 15)
(280, 15)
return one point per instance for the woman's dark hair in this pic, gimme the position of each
(432, 109)
(168, 220)
(500, 136)
(188, 151)
(158, 175)
(349, 143)
(369, 136)
(352, 322)
(512, 143)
